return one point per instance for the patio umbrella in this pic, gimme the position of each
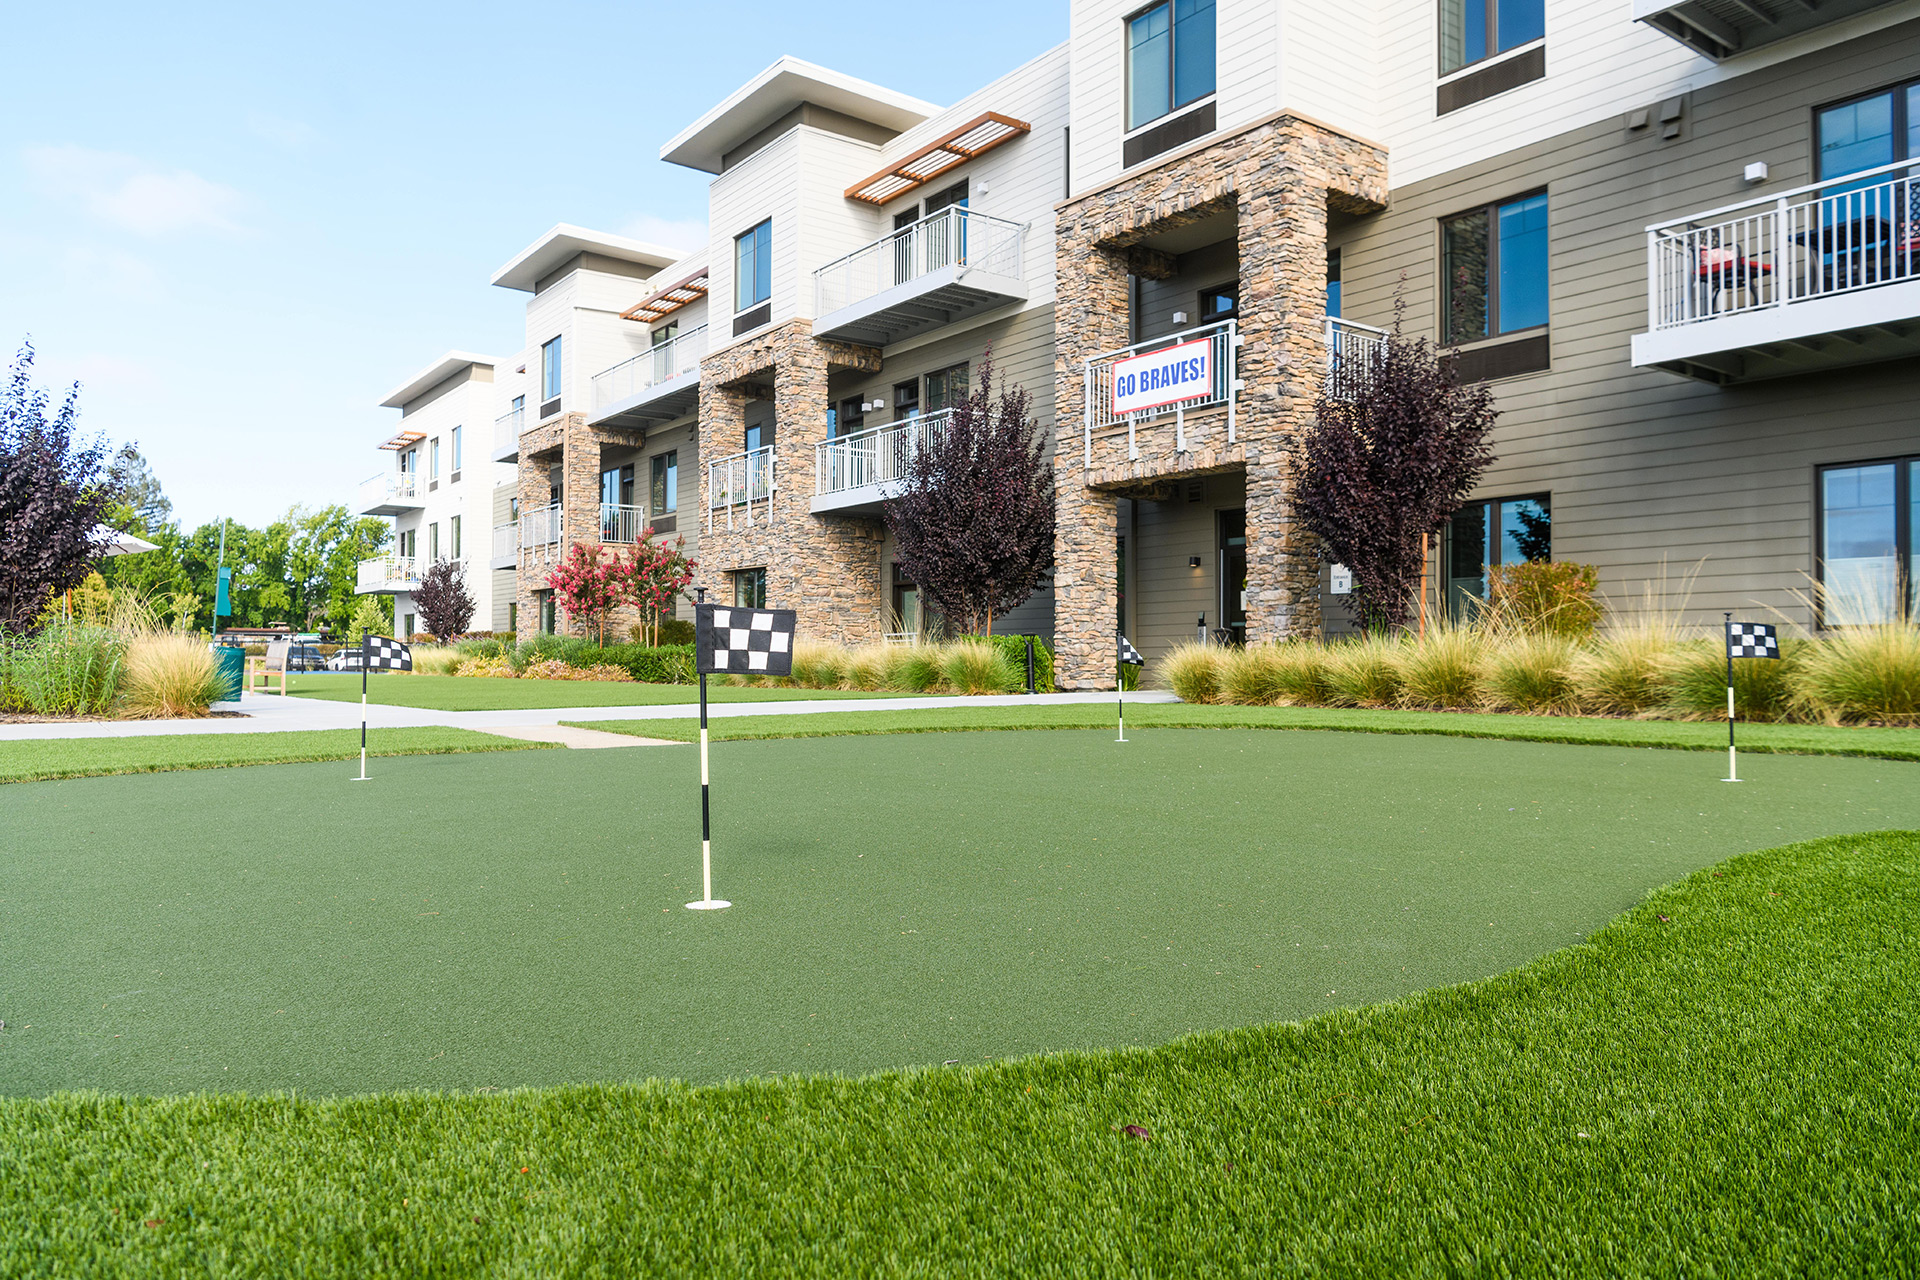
(125, 544)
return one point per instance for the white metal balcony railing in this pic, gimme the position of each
(507, 428)
(650, 368)
(541, 527)
(387, 572)
(506, 540)
(622, 523)
(389, 487)
(954, 237)
(739, 481)
(1352, 351)
(1222, 387)
(876, 455)
(1829, 238)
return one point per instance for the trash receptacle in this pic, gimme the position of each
(230, 663)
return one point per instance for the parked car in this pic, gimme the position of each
(345, 660)
(306, 657)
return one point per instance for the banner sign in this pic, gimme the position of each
(1168, 376)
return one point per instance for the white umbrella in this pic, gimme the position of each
(124, 544)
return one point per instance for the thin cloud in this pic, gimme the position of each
(125, 192)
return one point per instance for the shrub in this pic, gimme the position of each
(1442, 669)
(69, 669)
(818, 666)
(168, 674)
(554, 669)
(1015, 647)
(1861, 673)
(1193, 671)
(422, 637)
(1532, 673)
(433, 660)
(1545, 597)
(672, 631)
(913, 668)
(497, 666)
(1302, 674)
(1365, 672)
(866, 668)
(971, 666)
(476, 647)
(1762, 687)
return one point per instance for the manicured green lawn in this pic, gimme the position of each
(1719, 1083)
(39, 759)
(1888, 744)
(492, 693)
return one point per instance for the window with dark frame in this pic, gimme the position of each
(1333, 284)
(946, 388)
(550, 380)
(453, 536)
(665, 488)
(852, 416)
(1474, 30)
(753, 266)
(1494, 270)
(1170, 59)
(1866, 558)
(1221, 302)
(750, 588)
(1488, 532)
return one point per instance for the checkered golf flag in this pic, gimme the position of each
(750, 641)
(383, 653)
(1752, 640)
(1130, 655)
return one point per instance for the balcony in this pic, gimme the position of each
(655, 386)
(620, 523)
(1721, 28)
(506, 546)
(742, 487)
(387, 575)
(391, 493)
(1352, 351)
(540, 531)
(1145, 372)
(506, 435)
(1820, 277)
(858, 472)
(943, 268)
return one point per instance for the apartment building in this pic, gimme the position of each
(439, 486)
(1678, 240)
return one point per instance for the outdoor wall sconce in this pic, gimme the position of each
(1193, 562)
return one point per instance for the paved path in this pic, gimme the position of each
(271, 713)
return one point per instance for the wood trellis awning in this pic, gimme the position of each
(669, 300)
(929, 162)
(404, 440)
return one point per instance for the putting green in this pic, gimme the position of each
(472, 921)
(496, 693)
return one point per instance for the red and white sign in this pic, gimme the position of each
(1170, 375)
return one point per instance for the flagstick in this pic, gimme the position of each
(1120, 704)
(707, 902)
(1733, 769)
(363, 708)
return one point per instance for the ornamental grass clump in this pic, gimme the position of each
(866, 668)
(1628, 672)
(433, 660)
(1532, 673)
(913, 668)
(1861, 674)
(498, 666)
(1194, 671)
(976, 667)
(167, 675)
(1762, 687)
(1443, 669)
(554, 669)
(817, 665)
(69, 669)
(1248, 676)
(1365, 672)
(1303, 674)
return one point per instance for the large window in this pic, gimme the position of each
(1868, 562)
(550, 370)
(1169, 59)
(1474, 29)
(453, 535)
(456, 451)
(946, 388)
(750, 588)
(1880, 128)
(616, 486)
(666, 482)
(1494, 264)
(1485, 533)
(433, 542)
(753, 266)
(433, 454)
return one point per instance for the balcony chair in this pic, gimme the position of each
(1720, 269)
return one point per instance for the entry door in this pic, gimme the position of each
(1233, 573)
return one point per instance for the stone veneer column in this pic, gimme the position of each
(1091, 314)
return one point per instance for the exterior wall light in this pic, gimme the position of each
(1193, 562)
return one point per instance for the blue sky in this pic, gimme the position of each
(240, 225)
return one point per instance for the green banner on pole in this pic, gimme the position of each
(222, 606)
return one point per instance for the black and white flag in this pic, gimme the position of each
(1752, 640)
(383, 653)
(1129, 655)
(747, 641)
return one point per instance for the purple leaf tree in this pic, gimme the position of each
(445, 604)
(973, 523)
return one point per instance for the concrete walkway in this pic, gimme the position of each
(271, 713)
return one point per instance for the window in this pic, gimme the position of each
(453, 536)
(1865, 133)
(433, 454)
(1333, 284)
(456, 451)
(616, 486)
(408, 543)
(1474, 29)
(1169, 59)
(1495, 264)
(543, 601)
(406, 627)
(1503, 531)
(1868, 513)
(513, 615)
(946, 388)
(852, 416)
(906, 399)
(519, 404)
(666, 482)
(410, 462)
(550, 370)
(759, 436)
(433, 542)
(1222, 302)
(753, 266)
(750, 588)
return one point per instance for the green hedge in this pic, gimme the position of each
(667, 664)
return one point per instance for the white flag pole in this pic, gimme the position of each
(363, 707)
(707, 902)
(1733, 765)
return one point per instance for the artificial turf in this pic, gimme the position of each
(1793, 739)
(1719, 1083)
(497, 693)
(39, 759)
(470, 921)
